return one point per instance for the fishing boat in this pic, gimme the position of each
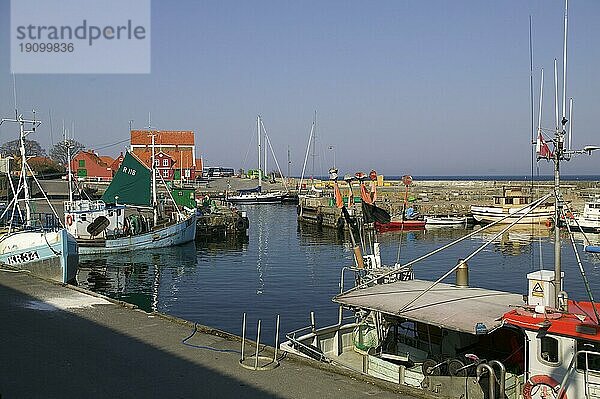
(589, 221)
(255, 195)
(27, 243)
(454, 340)
(509, 206)
(120, 220)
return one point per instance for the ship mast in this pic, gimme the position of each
(259, 153)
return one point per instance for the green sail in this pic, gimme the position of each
(131, 184)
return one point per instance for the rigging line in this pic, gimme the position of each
(274, 157)
(582, 271)
(44, 194)
(248, 151)
(170, 194)
(485, 244)
(312, 128)
(427, 255)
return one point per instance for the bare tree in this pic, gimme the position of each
(13, 149)
(59, 152)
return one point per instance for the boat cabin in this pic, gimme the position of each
(514, 196)
(86, 219)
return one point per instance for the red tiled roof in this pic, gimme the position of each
(106, 159)
(166, 137)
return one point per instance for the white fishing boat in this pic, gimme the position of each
(453, 340)
(45, 250)
(120, 222)
(255, 195)
(510, 206)
(589, 221)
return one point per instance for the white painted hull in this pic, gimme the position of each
(52, 254)
(445, 221)
(489, 214)
(175, 234)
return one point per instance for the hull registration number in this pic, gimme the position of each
(23, 257)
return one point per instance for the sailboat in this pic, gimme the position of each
(26, 244)
(454, 340)
(115, 223)
(256, 195)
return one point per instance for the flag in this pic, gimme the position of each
(372, 213)
(339, 202)
(541, 148)
(365, 195)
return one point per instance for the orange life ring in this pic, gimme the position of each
(69, 220)
(539, 382)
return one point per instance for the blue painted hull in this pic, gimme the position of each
(52, 255)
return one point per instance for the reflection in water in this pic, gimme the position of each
(287, 269)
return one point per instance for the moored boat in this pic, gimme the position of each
(445, 220)
(510, 206)
(121, 222)
(589, 221)
(45, 250)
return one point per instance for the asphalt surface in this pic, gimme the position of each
(57, 341)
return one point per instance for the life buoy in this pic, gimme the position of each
(69, 220)
(539, 386)
(239, 224)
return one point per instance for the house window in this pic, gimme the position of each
(187, 173)
(549, 353)
(82, 163)
(165, 173)
(157, 162)
(165, 162)
(589, 360)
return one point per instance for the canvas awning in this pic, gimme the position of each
(445, 306)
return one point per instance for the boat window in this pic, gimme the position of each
(118, 212)
(592, 354)
(83, 217)
(549, 350)
(509, 201)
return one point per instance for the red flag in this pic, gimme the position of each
(541, 148)
(339, 202)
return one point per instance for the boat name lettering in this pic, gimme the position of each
(23, 257)
(129, 171)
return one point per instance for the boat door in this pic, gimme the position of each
(559, 365)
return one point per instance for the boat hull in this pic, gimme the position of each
(52, 255)
(490, 214)
(400, 225)
(176, 234)
(257, 198)
(445, 221)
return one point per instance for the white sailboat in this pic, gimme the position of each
(103, 226)
(256, 195)
(26, 244)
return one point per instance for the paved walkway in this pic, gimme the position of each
(57, 341)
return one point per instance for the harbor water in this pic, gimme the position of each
(287, 269)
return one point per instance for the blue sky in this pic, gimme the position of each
(405, 87)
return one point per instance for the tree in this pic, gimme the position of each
(13, 149)
(58, 152)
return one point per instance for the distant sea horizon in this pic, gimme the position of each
(486, 177)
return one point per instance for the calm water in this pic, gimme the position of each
(286, 269)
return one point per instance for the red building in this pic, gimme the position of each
(177, 144)
(164, 166)
(88, 165)
(114, 166)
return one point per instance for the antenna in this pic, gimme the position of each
(564, 104)
(556, 93)
(541, 103)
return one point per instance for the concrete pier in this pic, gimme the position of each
(60, 341)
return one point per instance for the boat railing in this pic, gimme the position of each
(572, 367)
(84, 205)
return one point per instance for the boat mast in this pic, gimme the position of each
(154, 201)
(22, 135)
(259, 153)
(69, 176)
